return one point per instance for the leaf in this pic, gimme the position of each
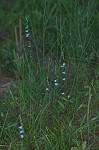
(84, 144)
(81, 106)
(61, 104)
(74, 148)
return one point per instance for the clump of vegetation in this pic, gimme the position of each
(53, 101)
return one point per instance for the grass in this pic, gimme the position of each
(53, 117)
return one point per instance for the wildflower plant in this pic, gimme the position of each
(42, 98)
(20, 128)
(28, 39)
(21, 131)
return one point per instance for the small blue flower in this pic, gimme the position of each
(64, 64)
(21, 131)
(62, 93)
(55, 81)
(27, 35)
(21, 136)
(47, 89)
(56, 84)
(26, 31)
(20, 127)
(63, 72)
(64, 79)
